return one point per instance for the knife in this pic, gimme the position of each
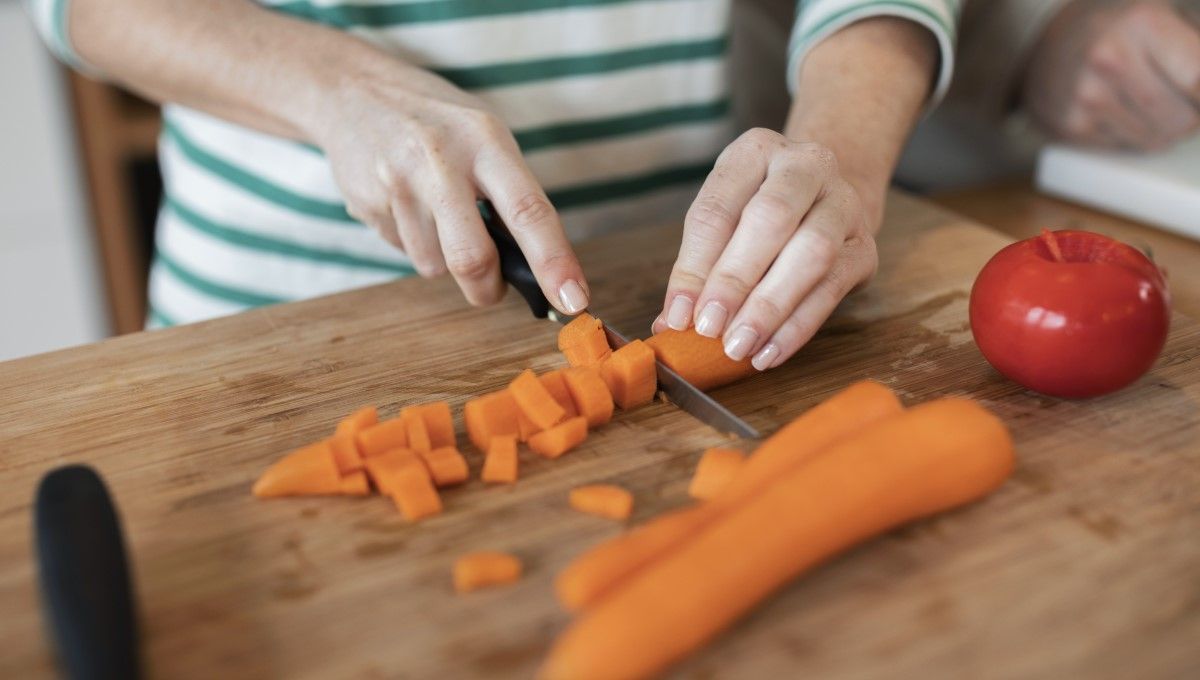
(514, 268)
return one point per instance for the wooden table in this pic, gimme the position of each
(1085, 564)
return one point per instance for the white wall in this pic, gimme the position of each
(50, 289)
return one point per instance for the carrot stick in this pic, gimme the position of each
(559, 439)
(929, 459)
(382, 437)
(716, 469)
(583, 341)
(490, 415)
(630, 375)
(446, 466)
(590, 394)
(485, 569)
(309, 471)
(535, 401)
(699, 360)
(358, 421)
(500, 465)
(355, 484)
(602, 500)
(439, 423)
(591, 574)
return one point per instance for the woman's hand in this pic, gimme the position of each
(773, 242)
(412, 153)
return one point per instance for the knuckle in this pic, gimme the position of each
(487, 124)
(471, 263)
(760, 138)
(530, 209)
(770, 211)
(821, 248)
(733, 282)
(709, 218)
(765, 311)
(1105, 56)
(820, 158)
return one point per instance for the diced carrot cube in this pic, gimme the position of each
(500, 465)
(717, 467)
(446, 466)
(559, 439)
(602, 500)
(382, 437)
(485, 569)
(535, 401)
(590, 394)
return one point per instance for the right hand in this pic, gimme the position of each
(411, 153)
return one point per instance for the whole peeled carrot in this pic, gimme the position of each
(593, 573)
(926, 460)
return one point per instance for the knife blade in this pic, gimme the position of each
(514, 268)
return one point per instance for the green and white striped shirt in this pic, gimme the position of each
(619, 106)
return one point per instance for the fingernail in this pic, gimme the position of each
(572, 298)
(740, 342)
(766, 357)
(658, 324)
(712, 319)
(679, 314)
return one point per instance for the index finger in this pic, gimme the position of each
(534, 223)
(1175, 50)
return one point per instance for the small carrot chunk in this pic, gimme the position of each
(439, 423)
(716, 469)
(355, 484)
(583, 342)
(500, 465)
(556, 385)
(414, 494)
(382, 437)
(345, 453)
(490, 415)
(485, 569)
(358, 421)
(630, 375)
(602, 500)
(418, 436)
(591, 395)
(559, 439)
(384, 468)
(698, 359)
(308, 471)
(535, 401)
(446, 466)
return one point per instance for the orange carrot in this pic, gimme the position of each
(355, 484)
(384, 468)
(535, 401)
(358, 421)
(418, 436)
(926, 460)
(590, 394)
(413, 492)
(583, 341)
(500, 465)
(714, 472)
(439, 423)
(485, 569)
(490, 415)
(309, 471)
(556, 385)
(699, 360)
(446, 466)
(382, 437)
(559, 439)
(602, 500)
(630, 375)
(345, 452)
(593, 573)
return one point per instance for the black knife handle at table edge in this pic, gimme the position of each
(85, 581)
(514, 267)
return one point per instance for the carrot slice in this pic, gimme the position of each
(355, 484)
(630, 375)
(418, 436)
(559, 439)
(714, 472)
(583, 341)
(485, 569)
(699, 360)
(358, 421)
(382, 437)
(384, 468)
(500, 465)
(439, 423)
(413, 492)
(556, 385)
(596, 571)
(525, 427)
(590, 394)
(490, 415)
(309, 471)
(535, 401)
(929, 459)
(446, 466)
(345, 453)
(602, 500)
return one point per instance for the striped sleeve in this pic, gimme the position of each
(50, 17)
(819, 19)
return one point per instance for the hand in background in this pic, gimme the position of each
(1117, 74)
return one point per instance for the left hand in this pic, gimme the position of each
(773, 242)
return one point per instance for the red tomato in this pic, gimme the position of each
(1070, 313)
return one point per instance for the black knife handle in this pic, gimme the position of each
(86, 591)
(514, 268)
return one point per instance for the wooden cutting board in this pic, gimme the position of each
(1084, 565)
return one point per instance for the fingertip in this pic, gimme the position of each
(572, 298)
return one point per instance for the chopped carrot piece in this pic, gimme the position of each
(500, 465)
(418, 436)
(484, 569)
(345, 453)
(309, 471)
(489, 416)
(630, 375)
(525, 427)
(414, 494)
(355, 484)
(559, 439)
(384, 468)
(699, 360)
(583, 342)
(358, 421)
(535, 401)
(556, 385)
(590, 394)
(446, 465)
(602, 500)
(439, 423)
(716, 469)
(382, 437)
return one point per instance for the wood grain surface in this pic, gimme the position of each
(1084, 565)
